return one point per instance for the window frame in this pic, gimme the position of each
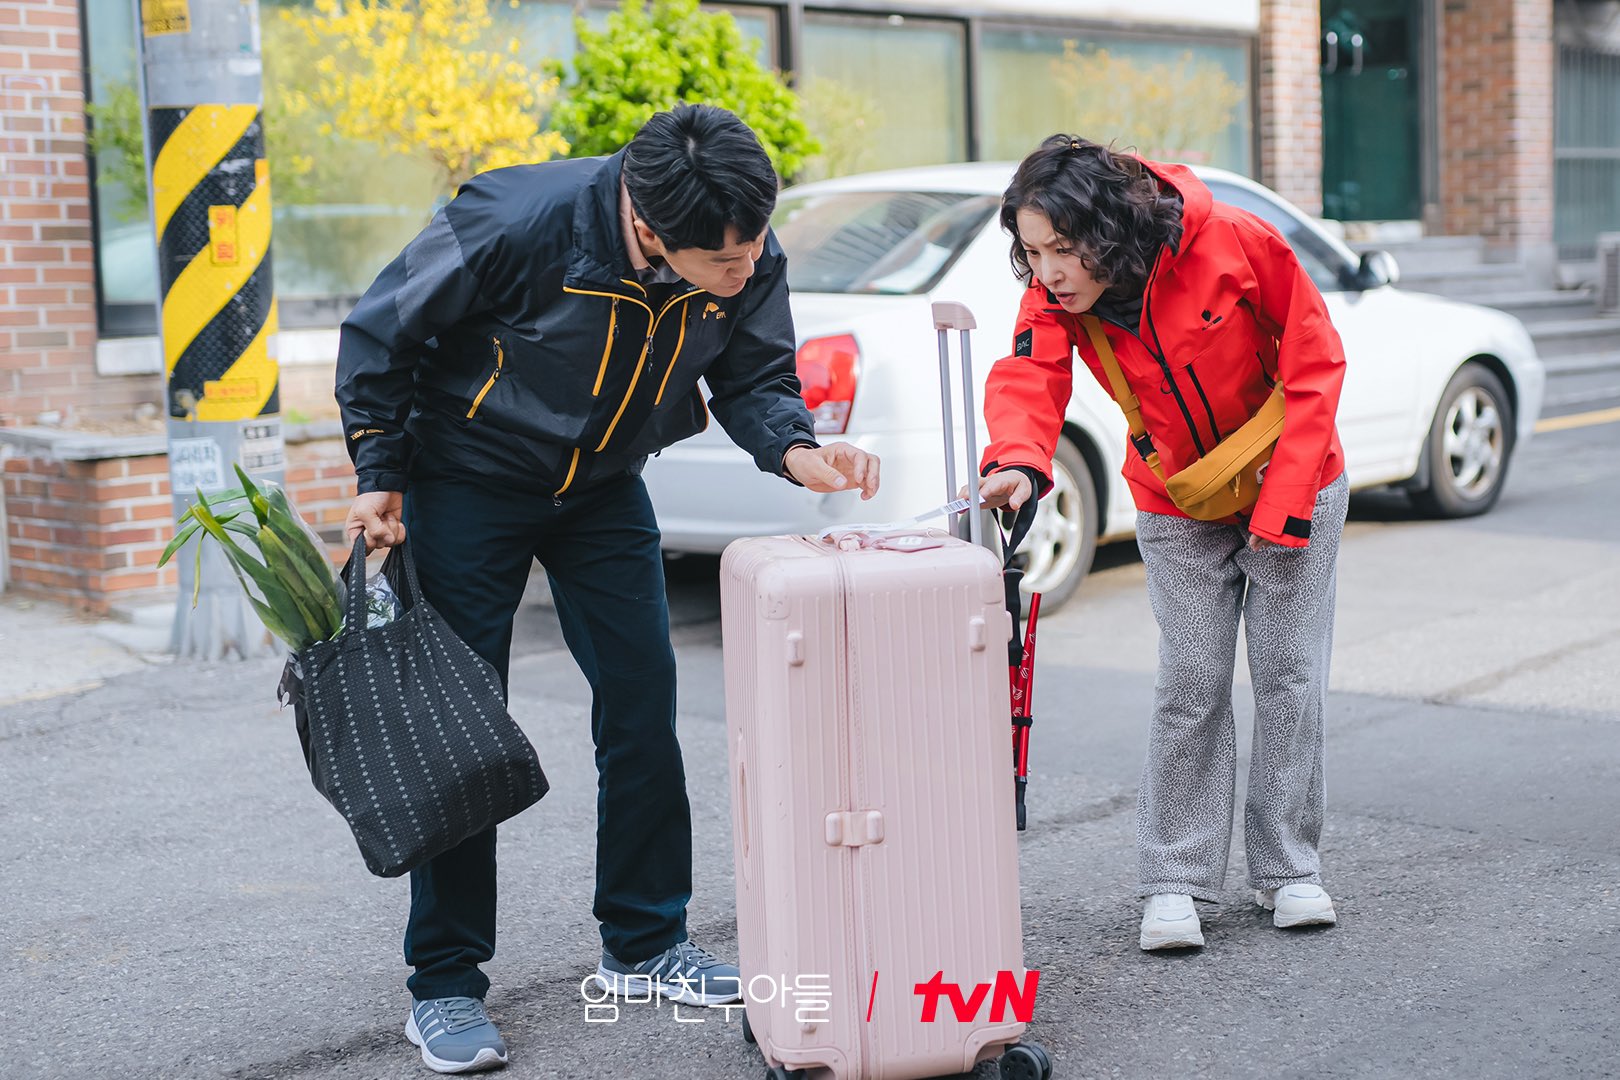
(1135, 33)
(786, 50)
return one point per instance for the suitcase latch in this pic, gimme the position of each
(854, 828)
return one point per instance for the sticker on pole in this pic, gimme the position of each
(222, 236)
(263, 448)
(195, 463)
(165, 17)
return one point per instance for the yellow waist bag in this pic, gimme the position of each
(1223, 482)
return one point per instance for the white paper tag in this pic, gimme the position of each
(949, 508)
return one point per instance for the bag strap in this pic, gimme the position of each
(400, 555)
(1122, 393)
(1013, 533)
(354, 577)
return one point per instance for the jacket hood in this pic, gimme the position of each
(1196, 199)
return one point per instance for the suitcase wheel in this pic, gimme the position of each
(778, 1072)
(748, 1030)
(1026, 1061)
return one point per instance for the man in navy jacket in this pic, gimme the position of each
(502, 383)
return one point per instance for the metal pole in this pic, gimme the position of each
(945, 414)
(210, 195)
(970, 422)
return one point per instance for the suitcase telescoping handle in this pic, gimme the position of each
(948, 316)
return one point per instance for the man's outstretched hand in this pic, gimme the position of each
(836, 467)
(378, 515)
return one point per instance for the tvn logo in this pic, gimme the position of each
(1005, 995)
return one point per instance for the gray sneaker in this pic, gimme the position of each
(683, 973)
(455, 1035)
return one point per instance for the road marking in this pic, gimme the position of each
(1579, 420)
(55, 691)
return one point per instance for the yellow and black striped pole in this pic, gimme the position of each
(210, 185)
(211, 208)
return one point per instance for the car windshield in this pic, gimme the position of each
(876, 241)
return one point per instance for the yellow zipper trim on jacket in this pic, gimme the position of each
(635, 376)
(500, 361)
(613, 318)
(607, 349)
(569, 479)
(671, 369)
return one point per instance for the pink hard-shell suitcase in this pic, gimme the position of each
(872, 798)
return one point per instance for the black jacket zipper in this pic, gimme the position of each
(1213, 427)
(1169, 377)
(1163, 365)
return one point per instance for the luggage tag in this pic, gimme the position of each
(892, 535)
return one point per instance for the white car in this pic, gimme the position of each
(1437, 394)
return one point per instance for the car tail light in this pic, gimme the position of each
(829, 368)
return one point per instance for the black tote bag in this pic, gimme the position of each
(405, 729)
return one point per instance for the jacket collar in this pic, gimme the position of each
(598, 256)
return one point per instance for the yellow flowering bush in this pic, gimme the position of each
(424, 77)
(1166, 111)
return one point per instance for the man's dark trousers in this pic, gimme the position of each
(474, 546)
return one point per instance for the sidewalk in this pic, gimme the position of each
(48, 650)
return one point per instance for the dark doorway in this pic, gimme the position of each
(1370, 112)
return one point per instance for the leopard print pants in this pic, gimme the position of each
(1202, 579)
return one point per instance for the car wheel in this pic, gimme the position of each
(1469, 445)
(1057, 552)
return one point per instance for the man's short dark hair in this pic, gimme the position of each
(694, 171)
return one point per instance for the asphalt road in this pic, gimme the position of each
(178, 902)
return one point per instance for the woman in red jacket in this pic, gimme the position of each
(1205, 309)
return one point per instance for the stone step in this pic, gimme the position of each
(1576, 365)
(1430, 252)
(1467, 282)
(1597, 336)
(1532, 306)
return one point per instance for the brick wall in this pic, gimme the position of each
(1497, 75)
(89, 533)
(1291, 101)
(320, 481)
(47, 269)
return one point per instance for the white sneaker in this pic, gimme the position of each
(1169, 922)
(1299, 904)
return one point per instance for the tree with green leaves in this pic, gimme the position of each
(648, 59)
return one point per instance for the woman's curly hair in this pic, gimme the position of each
(1107, 204)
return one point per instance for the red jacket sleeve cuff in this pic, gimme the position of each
(1280, 527)
(1041, 478)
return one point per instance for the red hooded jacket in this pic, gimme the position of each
(1222, 319)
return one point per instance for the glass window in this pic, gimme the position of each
(758, 26)
(1320, 259)
(877, 241)
(341, 209)
(126, 254)
(882, 93)
(1168, 100)
(348, 207)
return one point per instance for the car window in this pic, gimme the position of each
(876, 241)
(1325, 265)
